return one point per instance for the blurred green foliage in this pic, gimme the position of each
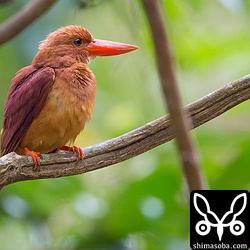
(141, 203)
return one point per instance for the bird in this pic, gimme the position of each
(49, 101)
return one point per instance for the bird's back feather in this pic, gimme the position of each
(26, 98)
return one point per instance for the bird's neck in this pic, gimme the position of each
(76, 88)
(78, 80)
(57, 57)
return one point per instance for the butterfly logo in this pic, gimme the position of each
(210, 219)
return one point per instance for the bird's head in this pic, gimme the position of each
(72, 44)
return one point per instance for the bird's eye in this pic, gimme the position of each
(78, 41)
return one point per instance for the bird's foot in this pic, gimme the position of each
(75, 149)
(35, 157)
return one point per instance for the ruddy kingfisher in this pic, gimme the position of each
(50, 101)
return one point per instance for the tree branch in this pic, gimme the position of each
(180, 121)
(14, 168)
(18, 22)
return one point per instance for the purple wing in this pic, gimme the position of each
(26, 98)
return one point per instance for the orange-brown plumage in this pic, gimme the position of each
(50, 101)
(69, 105)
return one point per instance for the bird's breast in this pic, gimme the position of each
(69, 105)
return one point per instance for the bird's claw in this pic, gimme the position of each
(35, 157)
(76, 149)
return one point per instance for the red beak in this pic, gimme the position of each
(107, 48)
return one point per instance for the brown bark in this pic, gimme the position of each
(14, 168)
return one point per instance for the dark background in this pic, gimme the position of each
(220, 202)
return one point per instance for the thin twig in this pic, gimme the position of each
(14, 168)
(172, 98)
(18, 22)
